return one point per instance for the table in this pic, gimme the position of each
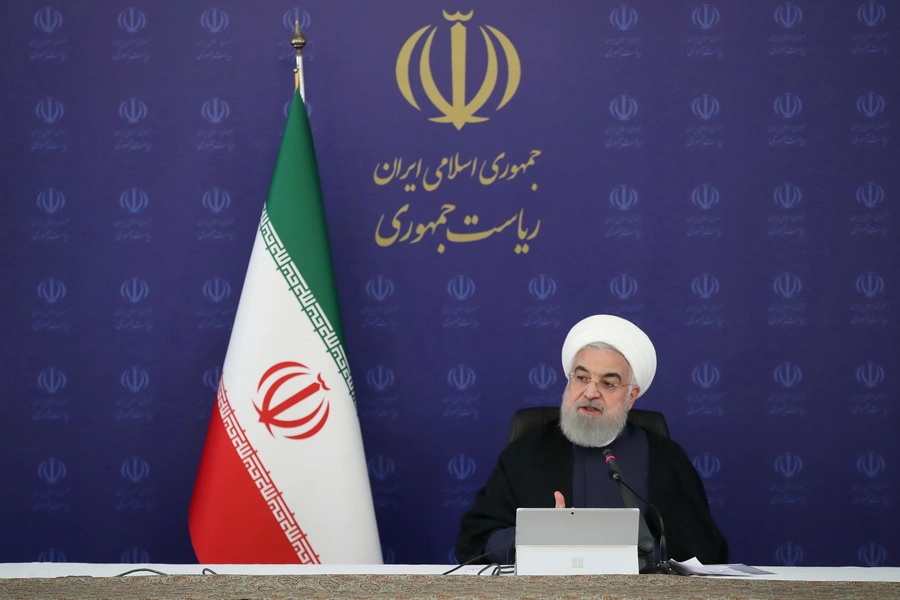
(80, 581)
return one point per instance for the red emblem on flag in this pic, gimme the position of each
(289, 392)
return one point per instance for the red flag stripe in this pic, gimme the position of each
(237, 514)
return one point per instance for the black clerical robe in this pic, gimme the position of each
(531, 468)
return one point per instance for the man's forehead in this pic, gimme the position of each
(607, 360)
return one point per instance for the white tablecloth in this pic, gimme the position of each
(12, 570)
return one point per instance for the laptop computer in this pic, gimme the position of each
(576, 541)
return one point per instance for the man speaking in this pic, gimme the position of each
(609, 363)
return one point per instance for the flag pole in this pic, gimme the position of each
(298, 42)
(270, 489)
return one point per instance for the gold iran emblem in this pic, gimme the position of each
(458, 110)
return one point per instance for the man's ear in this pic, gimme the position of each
(634, 394)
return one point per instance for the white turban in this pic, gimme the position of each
(624, 336)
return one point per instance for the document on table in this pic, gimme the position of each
(693, 566)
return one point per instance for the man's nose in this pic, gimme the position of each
(592, 390)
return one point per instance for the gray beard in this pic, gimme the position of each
(587, 431)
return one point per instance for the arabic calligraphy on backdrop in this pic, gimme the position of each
(403, 230)
(416, 174)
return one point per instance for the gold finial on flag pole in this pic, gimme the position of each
(298, 41)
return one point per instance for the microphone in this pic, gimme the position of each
(662, 567)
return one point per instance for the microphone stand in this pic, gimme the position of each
(653, 568)
(645, 539)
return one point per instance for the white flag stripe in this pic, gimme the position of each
(323, 479)
(298, 286)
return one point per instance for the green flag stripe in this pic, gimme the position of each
(295, 208)
(313, 309)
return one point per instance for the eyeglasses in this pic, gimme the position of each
(580, 381)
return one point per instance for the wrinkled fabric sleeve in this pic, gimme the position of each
(710, 545)
(501, 546)
(677, 490)
(494, 509)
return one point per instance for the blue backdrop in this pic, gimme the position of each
(723, 173)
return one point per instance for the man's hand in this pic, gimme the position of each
(560, 500)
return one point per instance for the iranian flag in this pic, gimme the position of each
(283, 475)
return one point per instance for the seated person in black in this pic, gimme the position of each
(609, 363)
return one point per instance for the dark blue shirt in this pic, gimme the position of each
(592, 487)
